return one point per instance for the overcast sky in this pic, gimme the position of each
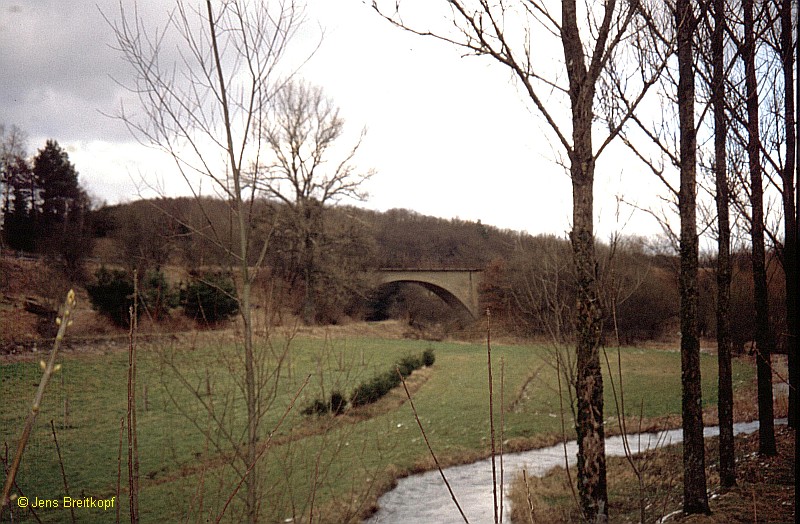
(448, 136)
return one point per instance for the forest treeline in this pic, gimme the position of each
(318, 267)
(528, 281)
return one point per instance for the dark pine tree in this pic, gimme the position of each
(62, 229)
(58, 181)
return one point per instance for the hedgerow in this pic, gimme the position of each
(373, 389)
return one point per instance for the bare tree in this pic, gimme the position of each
(727, 460)
(662, 40)
(763, 336)
(789, 257)
(683, 154)
(585, 42)
(795, 368)
(17, 185)
(12, 149)
(695, 497)
(204, 105)
(303, 132)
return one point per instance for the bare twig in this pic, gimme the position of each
(491, 409)
(197, 502)
(61, 464)
(119, 463)
(619, 400)
(564, 435)
(63, 321)
(133, 451)
(430, 449)
(502, 429)
(531, 515)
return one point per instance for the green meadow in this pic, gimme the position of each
(333, 467)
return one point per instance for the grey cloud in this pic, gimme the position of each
(57, 68)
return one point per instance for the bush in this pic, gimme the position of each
(112, 295)
(375, 388)
(409, 364)
(428, 358)
(157, 296)
(318, 407)
(338, 403)
(336, 406)
(365, 393)
(387, 381)
(211, 298)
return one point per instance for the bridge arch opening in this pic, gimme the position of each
(390, 295)
(456, 288)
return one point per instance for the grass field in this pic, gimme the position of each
(337, 466)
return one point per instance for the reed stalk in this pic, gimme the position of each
(49, 368)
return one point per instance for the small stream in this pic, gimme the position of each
(424, 497)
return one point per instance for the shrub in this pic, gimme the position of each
(364, 394)
(338, 403)
(156, 295)
(112, 295)
(318, 407)
(409, 364)
(428, 358)
(378, 386)
(373, 389)
(387, 381)
(210, 298)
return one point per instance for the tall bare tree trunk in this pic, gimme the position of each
(727, 460)
(794, 372)
(789, 206)
(592, 485)
(243, 294)
(763, 335)
(589, 381)
(312, 225)
(695, 498)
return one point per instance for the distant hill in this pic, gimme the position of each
(527, 280)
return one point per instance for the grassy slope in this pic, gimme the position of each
(350, 460)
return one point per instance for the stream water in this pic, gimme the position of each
(424, 498)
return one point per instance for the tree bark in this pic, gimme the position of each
(727, 461)
(794, 372)
(763, 336)
(695, 498)
(592, 485)
(789, 207)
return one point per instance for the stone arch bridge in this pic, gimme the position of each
(457, 287)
